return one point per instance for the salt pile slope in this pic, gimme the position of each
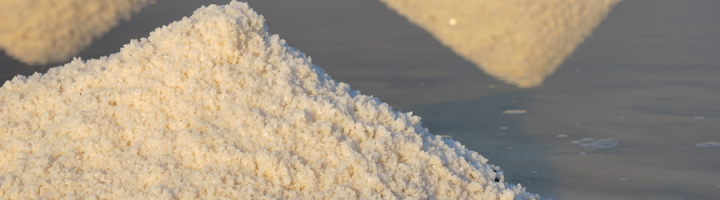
(213, 106)
(518, 41)
(46, 31)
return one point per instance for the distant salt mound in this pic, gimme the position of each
(46, 31)
(213, 106)
(518, 41)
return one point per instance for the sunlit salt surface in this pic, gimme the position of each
(213, 106)
(518, 41)
(591, 143)
(708, 145)
(46, 31)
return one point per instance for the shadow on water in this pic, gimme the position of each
(480, 125)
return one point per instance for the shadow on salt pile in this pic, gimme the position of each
(518, 41)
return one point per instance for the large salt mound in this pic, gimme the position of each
(213, 106)
(45, 31)
(518, 41)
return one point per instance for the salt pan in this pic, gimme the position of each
(212, 106)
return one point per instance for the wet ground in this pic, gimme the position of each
(648, 78)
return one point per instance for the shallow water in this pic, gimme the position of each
(648, 78)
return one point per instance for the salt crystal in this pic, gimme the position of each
(452, 21)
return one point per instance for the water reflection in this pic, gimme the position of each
(518, 41)
(46, 31)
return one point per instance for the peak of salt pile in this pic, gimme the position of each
(518, 41)
(213, 106)
(46, 31)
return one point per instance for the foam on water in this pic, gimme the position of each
(708, 145)
(591, 143)
(514, 112)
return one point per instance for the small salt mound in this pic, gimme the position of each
(46, 31)
(518, 41)
(213, 106)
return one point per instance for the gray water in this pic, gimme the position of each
(649, 77)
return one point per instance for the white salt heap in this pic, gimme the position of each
(213, 106)
(518, 41)
(45, 31)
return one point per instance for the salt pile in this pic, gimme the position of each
(46, 31)
(518, 41)
(212, 106)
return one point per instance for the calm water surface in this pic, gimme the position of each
(649, 77)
